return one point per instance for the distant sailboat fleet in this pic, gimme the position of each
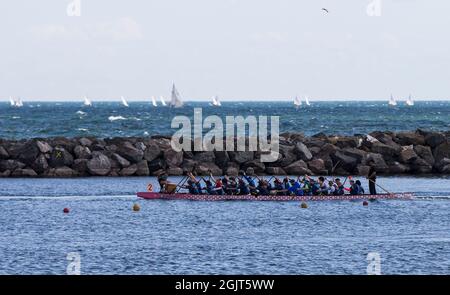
(15, 102)
(177, 102)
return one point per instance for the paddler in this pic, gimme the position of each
(372, 177)
(162, 181)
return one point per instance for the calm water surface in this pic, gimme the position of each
(185, 237)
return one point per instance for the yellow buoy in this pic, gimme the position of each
(136, 207)
(304, 205)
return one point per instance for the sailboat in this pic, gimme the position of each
(163, 102)
(87, 101)
(409, 101)
(216, 101)
(392, 101)
(307, 101)
(124, 101)
(154, 101)
(11, 101)
(19, 103)
(176, 101)
(297, 102)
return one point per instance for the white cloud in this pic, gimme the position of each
(122, 29)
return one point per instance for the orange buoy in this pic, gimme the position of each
(365, 203)
(66, 210)
(304, 205)
(136, 207)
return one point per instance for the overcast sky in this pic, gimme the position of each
(237, 49)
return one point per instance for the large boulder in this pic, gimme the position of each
(99, 165)
(441, 151)
(442, 164)
(173, 158)
(379, 162)
(85, 141)
(25, 152)
(232, 171)
(80, 166)
(205, 168)
(386, 138)
(156, 165)
(257, 166)
(127, 150)
(120, 160)
(433, 139)
(221, 158)
(361, 170)
(188, 165)
(204, 157)
(40, 165)
(24, 172)
(297, 168)
(60, 157)
(408, 155)
(384, 149)
(425, 153)
(241, 157)
(409, 138)
(142, 168)
(286, 156)
(66, 143)
(398, 168)
(3, 153)
(326, 150)
(128, 171)
(346, 142)
(6, 173)
(65, 172)
(345, 161)
(358, 154)
(317, 166)
(10, 165)
(175, 171)
(302, 151)
(420, 166)
(82, 152)
(44, 147)
(276, 171)
(152, 151)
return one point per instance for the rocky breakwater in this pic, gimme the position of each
(417, 152)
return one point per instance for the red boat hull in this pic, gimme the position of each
(181, 196)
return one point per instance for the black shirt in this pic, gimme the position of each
(372, 171)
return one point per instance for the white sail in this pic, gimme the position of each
(176, 101)
(124, 101)
(392, 101)
(297, 101)
(216, 101)
(11, 101)
(154, 101)
(19, 103)
(409, 101)
(307, 101)
(87, 101)
(163, 102)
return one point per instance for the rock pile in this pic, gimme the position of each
(416, 152)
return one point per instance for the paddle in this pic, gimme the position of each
(381, 187)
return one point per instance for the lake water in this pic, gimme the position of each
(109, 119)
(187, 237)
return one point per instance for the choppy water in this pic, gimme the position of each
(186, 237)
(108, 119)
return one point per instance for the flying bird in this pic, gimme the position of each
(326, 10)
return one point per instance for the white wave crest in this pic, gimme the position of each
(115, 118)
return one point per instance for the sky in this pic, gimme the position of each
(236, 49)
